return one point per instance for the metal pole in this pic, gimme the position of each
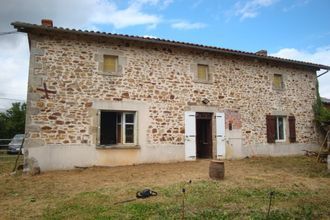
(271, 194)
(322, 74)
(183, 195)
(18, 155)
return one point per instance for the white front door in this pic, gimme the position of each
(190, 136)
(220, 135)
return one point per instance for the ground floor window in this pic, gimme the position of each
(280, 128)
(117, 127)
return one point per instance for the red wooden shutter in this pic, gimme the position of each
(292, 129)
(271, 126)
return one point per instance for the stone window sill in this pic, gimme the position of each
(279, 142)
(203, 81)
(110, 73)
(118, 146)
(278, 89)
(282, 142)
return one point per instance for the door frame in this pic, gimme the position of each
(214, 111)
(207, 117)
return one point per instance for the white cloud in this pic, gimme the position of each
(79, 14)
(149, 36)
(250, 8)
(14, 60)
(296, 4)
(86, 14)
(162, 4)
(131, 16)
(166, 3)
(184, 25)
(152, 2)
(196, 4)
(320, 55)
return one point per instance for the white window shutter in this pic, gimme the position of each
(190, 135)
(98, 136)
(220, 135)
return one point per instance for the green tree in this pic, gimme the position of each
(13, 121)
(322, 114)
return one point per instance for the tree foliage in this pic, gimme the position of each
(322, 114)
(13, 121)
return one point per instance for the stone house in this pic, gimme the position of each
(109, 99)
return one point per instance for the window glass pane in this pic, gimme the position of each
(108, 128)
(277, 81)
(202, 71)
(110, 63)
(129, 134)
(129, 118)
(280, 128)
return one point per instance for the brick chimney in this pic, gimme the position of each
(47, 22)
(262, 52)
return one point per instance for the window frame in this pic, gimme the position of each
(120, 64)
(116, 63)
(210, 71)
(207, 68)
(122, 124)
(277, 128)
(282, 82)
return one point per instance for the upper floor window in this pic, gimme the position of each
(110, 63)
(202, 72)
(278, 81)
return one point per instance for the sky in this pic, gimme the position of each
(294, 29)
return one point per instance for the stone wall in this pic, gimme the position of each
(162, 77)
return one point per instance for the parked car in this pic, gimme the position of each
(15, 144)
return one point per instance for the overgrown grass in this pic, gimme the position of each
(7, 162)
(203, 200)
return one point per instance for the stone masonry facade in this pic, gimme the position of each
(161, 76)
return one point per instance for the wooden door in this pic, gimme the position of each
(220, 135)
(190, 136)
(204, 138)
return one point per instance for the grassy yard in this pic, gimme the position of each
(301, 186)
(7, 162)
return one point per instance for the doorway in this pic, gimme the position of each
(203, 135)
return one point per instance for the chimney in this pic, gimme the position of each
(262, 52)
(47, 22)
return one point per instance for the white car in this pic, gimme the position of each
(15, 144)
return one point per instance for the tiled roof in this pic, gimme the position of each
(27, 27)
